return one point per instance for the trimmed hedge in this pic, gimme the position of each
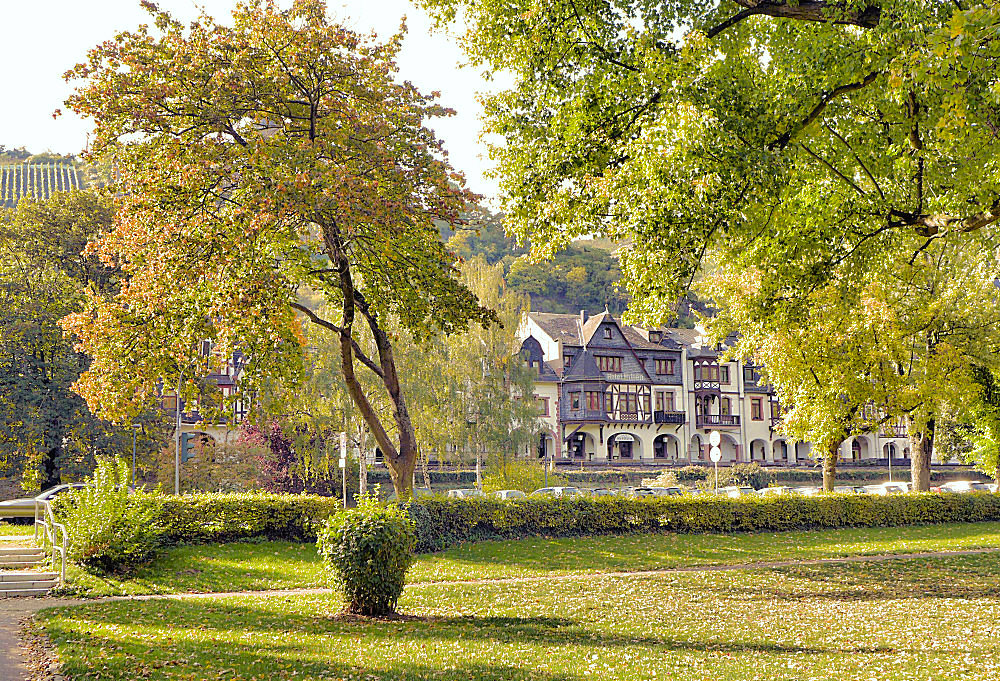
(440, 522)
(216, 517)
(444, 522)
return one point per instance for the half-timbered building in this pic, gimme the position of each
(614, 393)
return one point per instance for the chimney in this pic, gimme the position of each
(583, 317)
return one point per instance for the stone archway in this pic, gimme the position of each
(666, 447)
(759, 451)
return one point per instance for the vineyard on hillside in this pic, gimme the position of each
(36, 180)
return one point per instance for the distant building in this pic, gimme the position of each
(614, 393)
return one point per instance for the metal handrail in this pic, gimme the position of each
(50, 528)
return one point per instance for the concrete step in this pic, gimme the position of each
(21, 550)
(23, 593)
(17, 576)
(19, 564)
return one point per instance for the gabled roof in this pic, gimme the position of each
(592, 324)
(560, 327)
(583, 368)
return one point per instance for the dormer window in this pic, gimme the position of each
(654, 336)
(607, 333)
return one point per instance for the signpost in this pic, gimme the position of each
(715, 439)
(343, 463)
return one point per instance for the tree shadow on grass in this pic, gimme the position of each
(954, 577)
(225, 618)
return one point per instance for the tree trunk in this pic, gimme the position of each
(830, 466)
(921, 449)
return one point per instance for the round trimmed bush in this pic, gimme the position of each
(369, 549)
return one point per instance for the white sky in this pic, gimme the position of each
(42, 39)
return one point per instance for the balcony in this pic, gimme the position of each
(584, 415)
(674, 417)
(718, 421)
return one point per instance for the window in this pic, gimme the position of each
(543, 405)
(664, 367)
(607, 332)
(574, 400)
(610, 364)
(664, 401)
(567, 360)
(594, 400)
(724, 375)
(706, 372)
(756, 410)
(628, 403)
(645, 403)
(775, 410)
(654, 336)
(724, 406)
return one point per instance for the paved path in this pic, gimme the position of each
(12, 611)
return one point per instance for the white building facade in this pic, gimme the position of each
(611, 393)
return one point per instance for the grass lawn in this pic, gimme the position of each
(906, 620)
(10, 530)
(283, 565)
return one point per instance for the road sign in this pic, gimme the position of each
(343, 450)
(715, 453)
(715, 438)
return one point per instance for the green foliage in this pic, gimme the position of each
(110, 531)
(579, 278)
(369, 548)
(740, 474)
(526, 476)
(442, 523)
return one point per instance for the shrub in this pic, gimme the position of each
(740, 474)
(110, 532)
(369, 549)
(522, 475)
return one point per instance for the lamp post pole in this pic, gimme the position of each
(177, 439)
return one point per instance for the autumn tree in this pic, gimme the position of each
(255, 159)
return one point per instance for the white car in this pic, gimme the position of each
(735, 491)
(887, 488)
(775, 491)
(806, 491)
(464, 493)
(507, 494)
(556, 492)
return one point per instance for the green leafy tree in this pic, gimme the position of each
(255, 159)
(803, 144)
(47, 431)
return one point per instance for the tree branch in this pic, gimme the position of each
(358, 352)
(805, 10)
(928, 225)
(817, 110)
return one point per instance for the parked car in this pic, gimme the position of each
(25, 508)
(556, 492)
(508, 494)
(775, 491)
(736, 491)
(887, 488)
(806, 491)
(848, 489)
(962, 486)
(464, 493)
(603, 492)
